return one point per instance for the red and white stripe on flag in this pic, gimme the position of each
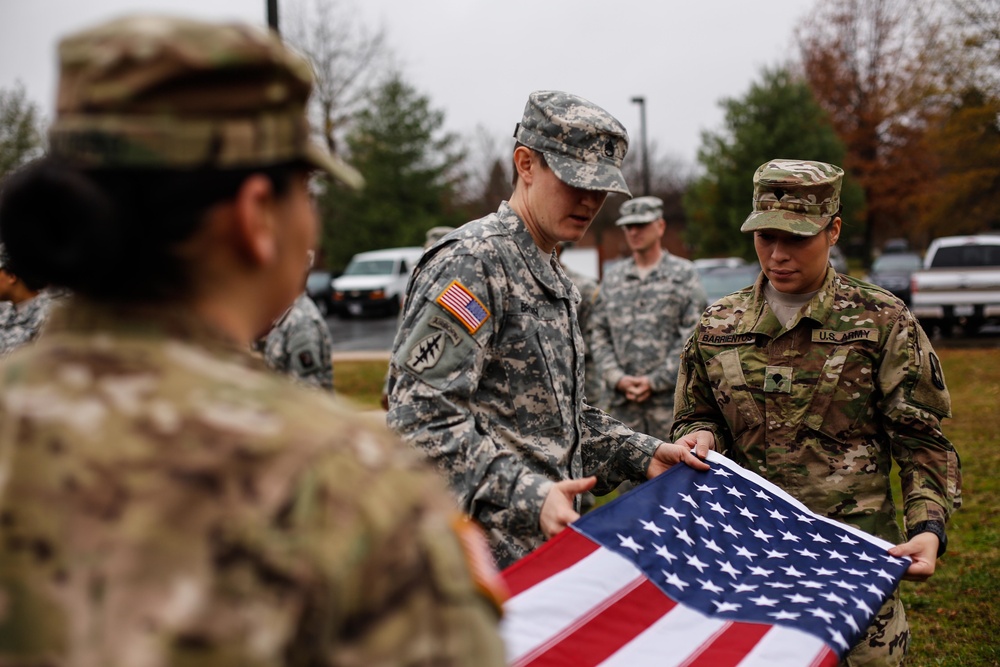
(588, 606)
(712, 568)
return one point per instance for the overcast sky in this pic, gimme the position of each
(477, 60)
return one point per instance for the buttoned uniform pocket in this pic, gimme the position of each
(732, 393)
(523, 355)
(841, 402)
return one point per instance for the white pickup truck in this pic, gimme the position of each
(959, 284)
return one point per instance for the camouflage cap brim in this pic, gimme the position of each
(588, 175)
(786, 221)
(319, 157)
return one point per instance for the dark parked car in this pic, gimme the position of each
(892, 271)
(723, 280)
(319, 286)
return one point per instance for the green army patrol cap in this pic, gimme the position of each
(797, 196)
(583, 144)
(150, 91)
(640, 211)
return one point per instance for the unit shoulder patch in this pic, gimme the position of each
(427, 352)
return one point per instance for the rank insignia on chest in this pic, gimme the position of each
(467, 309)
(778, 380)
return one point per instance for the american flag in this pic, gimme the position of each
(461, 303)
(709, 568)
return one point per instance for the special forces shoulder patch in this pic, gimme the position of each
(460, 302)
(427, 352)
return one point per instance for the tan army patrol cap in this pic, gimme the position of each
(640, 211)
(583, 144)
(796, 196)
(163, 92)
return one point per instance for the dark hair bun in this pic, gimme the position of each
(58, 227)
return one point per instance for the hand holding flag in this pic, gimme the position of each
(693, 568)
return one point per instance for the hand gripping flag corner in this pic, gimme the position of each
(693, 568)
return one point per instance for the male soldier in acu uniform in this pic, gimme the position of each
(818, 382)
(300, 345)
(645, 311)
(486, 374)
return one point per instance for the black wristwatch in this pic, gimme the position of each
(935, 527)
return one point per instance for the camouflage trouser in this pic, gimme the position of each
(886, 640)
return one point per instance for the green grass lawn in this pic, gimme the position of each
(955, 617)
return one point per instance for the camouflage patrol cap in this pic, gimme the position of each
(796, 196)
(162, 92)
(583, 144)
(640, 211)
(435, 234)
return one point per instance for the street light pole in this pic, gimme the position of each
(272, 15)
(641, 101)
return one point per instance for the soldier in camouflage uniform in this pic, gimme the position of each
(818, 382)
(166, 499)
(300, 345)
(647, 307)
(29, 307)
(486, 374)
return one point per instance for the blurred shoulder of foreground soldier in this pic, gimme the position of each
(167, 500)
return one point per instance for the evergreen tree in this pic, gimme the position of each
(20, 129)
(411, 172)
(777, 118)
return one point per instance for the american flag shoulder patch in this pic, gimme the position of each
(460, 302)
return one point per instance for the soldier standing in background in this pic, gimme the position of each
(29, 308)
(819, 381)
(166, 499)
(646, 309)
(300, 345)
(486, 374)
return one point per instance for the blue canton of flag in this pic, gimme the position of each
(731, 545)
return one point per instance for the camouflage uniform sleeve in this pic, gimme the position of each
(415, 586)
(665, 378)
(436, 368)
(695, 407)
(914, 400)
(613, 452)
(308, 353)
(601, 347)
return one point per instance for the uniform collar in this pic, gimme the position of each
(761, 320)
(542, 266)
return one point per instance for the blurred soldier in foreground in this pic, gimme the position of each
(486, 374)
(300, 345)
(645, 311)
(166, 499)
(29, 308)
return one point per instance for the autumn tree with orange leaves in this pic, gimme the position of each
(911, 89)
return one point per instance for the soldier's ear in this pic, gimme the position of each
(834, 230)
(524, 164)
(254, 227)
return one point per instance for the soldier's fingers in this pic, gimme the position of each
(695, 462)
